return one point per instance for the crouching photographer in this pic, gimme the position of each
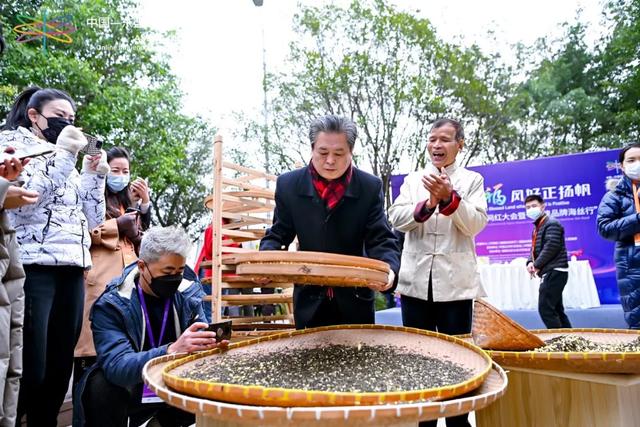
(148, 312)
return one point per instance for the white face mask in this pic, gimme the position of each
(534, 213)
(632, 170)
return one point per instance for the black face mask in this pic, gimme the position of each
(165, 286)
(55, 126)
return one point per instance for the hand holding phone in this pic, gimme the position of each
(195, 338)
(222, 330)
(140, 190)
(94, 144)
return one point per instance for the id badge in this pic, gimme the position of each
(149, 396)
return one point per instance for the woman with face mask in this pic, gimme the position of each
(54, 241)
(114, 244)
(619, 220)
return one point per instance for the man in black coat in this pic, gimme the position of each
(331, 206)
(548, 259)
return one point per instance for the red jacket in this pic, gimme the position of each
(206, 253)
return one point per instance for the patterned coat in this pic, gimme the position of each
(55, 230)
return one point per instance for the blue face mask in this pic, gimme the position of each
(117, 183)
(534, 213)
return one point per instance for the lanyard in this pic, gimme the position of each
(535, 236)
(147, 320)
(636, 237)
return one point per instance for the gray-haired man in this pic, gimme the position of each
(331, 206)
(142, 315)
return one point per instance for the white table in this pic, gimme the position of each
(509, 286)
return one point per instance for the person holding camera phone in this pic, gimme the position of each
(54, 239)
(114, 243)
(154, 308)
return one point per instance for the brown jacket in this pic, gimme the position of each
(109, 255)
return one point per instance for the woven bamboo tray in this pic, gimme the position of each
(491, 390)
(493, 330)
(316, 268)
(306, 256)
(422, 342)
(589, 362)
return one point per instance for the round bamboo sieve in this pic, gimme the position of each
(422, 342)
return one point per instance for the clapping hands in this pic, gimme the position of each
(439, 187)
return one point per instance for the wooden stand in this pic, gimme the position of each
(248, 207)
(537, 398)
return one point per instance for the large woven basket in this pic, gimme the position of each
(302, 267)
(421, 342)
(587, 362)
(400, 414)
(493, 330)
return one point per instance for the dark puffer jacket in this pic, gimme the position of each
(550, 251)
(618, 221)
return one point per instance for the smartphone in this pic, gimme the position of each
(222, 330)
(142, 179)
(29, 152)
(94, 144)
(132, 210)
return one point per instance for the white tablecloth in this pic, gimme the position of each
(509, 287)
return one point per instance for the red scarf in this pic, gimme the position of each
(331, 192)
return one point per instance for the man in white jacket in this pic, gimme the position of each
(440, 209)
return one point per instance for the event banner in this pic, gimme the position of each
(572, 187)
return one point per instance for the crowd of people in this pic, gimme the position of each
(90, 288)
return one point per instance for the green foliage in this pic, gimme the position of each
(384, 68)
(389, 71)
(617, 71)
(125, 91)
(579, 98)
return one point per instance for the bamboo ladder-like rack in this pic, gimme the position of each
(247, 205)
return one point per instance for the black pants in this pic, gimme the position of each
(449, 317)
(108, 405)
(316, 306)
(328, 313)
(550, 300)
(54, 299)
